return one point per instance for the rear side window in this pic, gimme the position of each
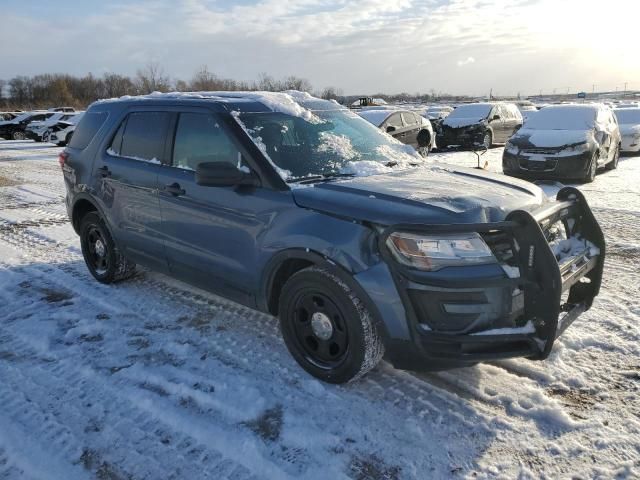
(200, 138)
(409, 118)
(87, 129)
(142, 136)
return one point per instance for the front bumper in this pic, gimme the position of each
(460, 320)
(459, 137)
(549, 168)
(32, 135)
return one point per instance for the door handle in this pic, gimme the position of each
(104, 171)
(174, 189)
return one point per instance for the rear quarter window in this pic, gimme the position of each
(87, 129)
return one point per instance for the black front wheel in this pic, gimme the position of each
(104, 261)
(593, 169)
(327, 328)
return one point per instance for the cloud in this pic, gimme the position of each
(362, 46)
(466, 61)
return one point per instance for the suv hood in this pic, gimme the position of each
(527, 138)
(428, 194)
(461, 122)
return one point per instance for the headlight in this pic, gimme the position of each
(511, 148)
(430, 253)
(583, 147)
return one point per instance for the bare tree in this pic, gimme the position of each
(331, 93)
(116, 85)
(152, 79)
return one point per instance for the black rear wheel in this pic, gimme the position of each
(613, 164)
(327, 328)
(104, 261)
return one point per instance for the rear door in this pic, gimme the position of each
(412, 127)
(211, 233)
(512, 120)
(496, 122)
(128, 172)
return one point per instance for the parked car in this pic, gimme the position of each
(15, 129)
(437, 112)
(61, 132)
(403, 125)
(35, 130)
(629, 123)
(484, 124)
(62, 109)
(386, 254)
(564, 142)
(525, 106)
(5, 116)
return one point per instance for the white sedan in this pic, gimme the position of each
(629, 122)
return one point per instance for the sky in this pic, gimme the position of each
(446, 46)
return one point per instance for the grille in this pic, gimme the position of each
(539, 166)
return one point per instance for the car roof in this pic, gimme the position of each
(291, 102)
(378, 116)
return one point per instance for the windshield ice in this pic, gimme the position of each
(476, 110)
(339, 143)
(628, 116)
(563, 118)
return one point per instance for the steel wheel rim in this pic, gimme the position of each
(18, 136)
(315, 309)
(98, 251)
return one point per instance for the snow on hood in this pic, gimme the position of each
(426, 194)
(552, 138)
(461, 122)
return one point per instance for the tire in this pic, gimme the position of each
(18, 135)
(67, 139)
(593, 169)
(104, 261)
(424, 142)
(487, 139)
(327, 328)
(613, 164)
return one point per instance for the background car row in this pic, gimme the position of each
(40, 125)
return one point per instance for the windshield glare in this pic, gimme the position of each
(628, 116)
(333, 142)
(471, 111)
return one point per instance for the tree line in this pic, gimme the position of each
(55, 89)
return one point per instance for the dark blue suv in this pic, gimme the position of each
(297, 207)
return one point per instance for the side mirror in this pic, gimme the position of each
(224, 174)
(391, 129)
(495, 117)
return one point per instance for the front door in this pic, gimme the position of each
(211, 234)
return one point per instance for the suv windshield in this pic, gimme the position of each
(471, 111)
(326, 143)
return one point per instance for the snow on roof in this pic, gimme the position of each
(285, 102)
(375, 117)
(565, 117)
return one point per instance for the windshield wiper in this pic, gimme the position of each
(320, 178)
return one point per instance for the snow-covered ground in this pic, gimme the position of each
(154, 379)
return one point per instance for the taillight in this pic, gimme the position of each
(62, 158)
